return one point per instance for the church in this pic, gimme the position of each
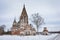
(22, 27)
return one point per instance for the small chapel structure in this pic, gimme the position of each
(45, 31)
(22, 27)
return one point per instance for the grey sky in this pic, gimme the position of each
(48, 9)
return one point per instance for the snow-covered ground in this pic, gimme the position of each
(57, 37)
(37, 37)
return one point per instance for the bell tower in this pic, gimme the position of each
(24, 16)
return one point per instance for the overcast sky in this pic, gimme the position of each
(48, 9)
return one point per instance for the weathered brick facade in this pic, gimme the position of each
(22, 27)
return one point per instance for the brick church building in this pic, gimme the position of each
(22, 27)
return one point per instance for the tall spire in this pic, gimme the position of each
(24, 13)
(24, 16)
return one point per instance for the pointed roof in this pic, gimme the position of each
(15, 20)
(24, 13)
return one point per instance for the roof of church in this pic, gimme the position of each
(15, 20)
(24, 13)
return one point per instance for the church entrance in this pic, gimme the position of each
(27, 33)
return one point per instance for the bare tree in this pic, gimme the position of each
(37, 20)
(2, 27)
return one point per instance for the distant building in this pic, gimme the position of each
(45, 31)
(22, 27)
